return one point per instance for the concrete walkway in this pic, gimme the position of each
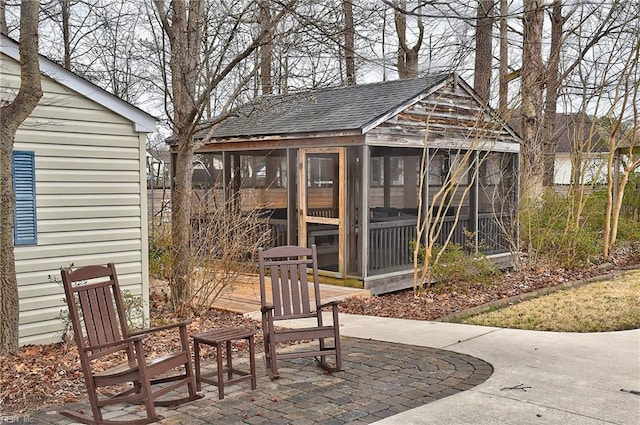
(539, 377)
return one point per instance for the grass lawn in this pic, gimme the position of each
(611, 305)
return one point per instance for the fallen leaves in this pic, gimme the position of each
(41, 376)
(440, 301)
(45, 375)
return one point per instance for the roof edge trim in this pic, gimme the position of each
(144, 122)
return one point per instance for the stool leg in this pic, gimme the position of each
(229, 365)
(196, 353)
(220, 371)
(252, 362)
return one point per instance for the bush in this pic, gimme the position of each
(547, 231)
(224, 240)
(456, 265)
(160, 259)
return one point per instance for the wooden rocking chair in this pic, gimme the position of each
(100, 329)
(288, 268)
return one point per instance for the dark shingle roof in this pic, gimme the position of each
(338, 109)
(569, 128)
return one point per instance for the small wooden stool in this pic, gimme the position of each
(216, 338)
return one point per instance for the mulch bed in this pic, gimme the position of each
(41, 376)
(45, 375)
(443, 300)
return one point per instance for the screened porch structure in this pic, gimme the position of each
(353, 170)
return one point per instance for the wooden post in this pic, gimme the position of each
(292, 197)
(342, 211)
(364, 211)
(387, 181)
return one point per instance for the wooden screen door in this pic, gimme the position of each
(321, 179)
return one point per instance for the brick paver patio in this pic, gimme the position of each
(379, 380)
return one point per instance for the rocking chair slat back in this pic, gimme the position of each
(289, 282)
(99, 302)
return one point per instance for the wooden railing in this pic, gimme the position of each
(278, 228)
(389, 245)
(491, 233)
(390, 241)
(328, 212)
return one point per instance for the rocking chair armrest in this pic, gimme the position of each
(267, 308)
(162, 328)
(115, 344)
(333, 304)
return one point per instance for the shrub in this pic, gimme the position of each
(456, 265)
(549, 233)
(160, 259)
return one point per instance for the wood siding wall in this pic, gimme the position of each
(455, 120)
(90, 198)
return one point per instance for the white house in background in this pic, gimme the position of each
(578, 134)
(80, 182)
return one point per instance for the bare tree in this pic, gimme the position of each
(13, 115)
(349, 42)
(407, 56)
(626, 101)
(66, 26)
(531, 93)
(484, 50)
(183, 25)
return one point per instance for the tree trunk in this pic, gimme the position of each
(484, 50)
(4, 30)
(13, 115)
(266, 49)
(407, 56)
(550, 141)
(181, 224)
(532, 69)
(349, 42)
(65, 5)
(503, 82)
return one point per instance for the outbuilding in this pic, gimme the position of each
(80, 183)
(355, 169)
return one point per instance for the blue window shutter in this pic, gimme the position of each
(24, 186)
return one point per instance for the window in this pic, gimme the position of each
(377, 172)
(24, 188)
(396, 176)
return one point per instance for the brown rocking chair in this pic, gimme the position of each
(100, 329)
(287, 267)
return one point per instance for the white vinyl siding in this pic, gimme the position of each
(91, 200)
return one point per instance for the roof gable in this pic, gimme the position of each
(144, 122)
(345, 109)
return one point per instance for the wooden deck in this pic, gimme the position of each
(244, 297)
